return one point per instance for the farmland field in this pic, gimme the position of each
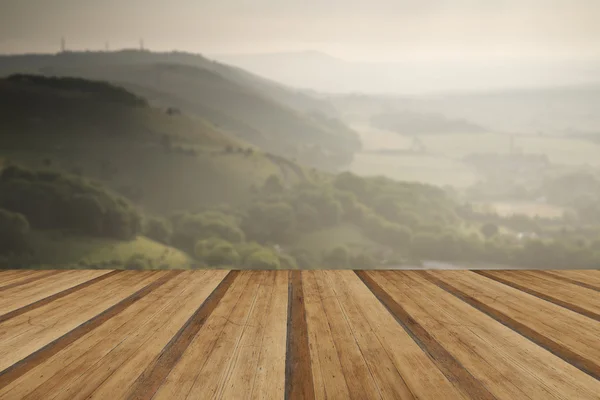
(442, 163)
(299, 334)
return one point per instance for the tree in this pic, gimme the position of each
(337, 258)
(87, 214)
(489, 230)
(269, 222)
(13, 232)
(158, 229)
(363, 261)
(217, 252)
(273, 185)
(263, 259)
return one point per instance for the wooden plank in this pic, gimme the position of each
(56, 296)
(10, 273)
(444, 360)
(590, 277)
(156, 374)
(180, 379)
(398, 365)
(243, 367)
(22, 277)
(32, 330)
(153, 334)
(42, 354)
(215, 371)
(18, 297)
(555, 277)
(581, 300)
(508, 364)
(269, 380)
(299, 382)
(359, 377)
(327, 372)
(59, 372)
(550, 326)
(121, 379)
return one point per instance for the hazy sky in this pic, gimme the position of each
(361, 30)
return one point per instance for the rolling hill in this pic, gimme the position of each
(276, 118)
(162, 160)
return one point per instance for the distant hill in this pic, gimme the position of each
(409, 75)
(410, 123)
(158, 158)
(560, 110)
(276, 118)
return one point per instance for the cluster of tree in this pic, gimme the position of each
(51, 200)
(387, 212)
(496, 248)
(101, 90)
(13, 232)
(339, 258)
(218, 252)
(516, 222)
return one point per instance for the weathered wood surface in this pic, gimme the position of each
(299, 334)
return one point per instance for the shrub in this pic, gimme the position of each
(158, 229)
(337, 258)
(287, 261)
(138, 262)
(217, 252)
(246, 249)
(14, 228)
(273, 184)
(489, 230)
(304, 258)
(363, 261)
(269, 222)
(88, 214)
(263, 259)
(50, 200)
(189, 228)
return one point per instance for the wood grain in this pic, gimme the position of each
(298, 334)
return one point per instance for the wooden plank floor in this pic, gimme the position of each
(299, 334)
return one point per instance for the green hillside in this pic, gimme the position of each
(271, 116)
(93, 175)
(162, 161)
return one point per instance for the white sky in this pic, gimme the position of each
(362, 30)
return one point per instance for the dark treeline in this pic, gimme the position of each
(410, 222)
(51, 200)
(99, 89)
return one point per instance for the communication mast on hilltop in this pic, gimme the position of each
(141, 44)
(63, 45)
(106, 46)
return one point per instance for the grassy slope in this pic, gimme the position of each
(259, 111)
(121, 146)
(58, 250)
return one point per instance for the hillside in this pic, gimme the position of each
(278, 119)
(94, 161)
(161, 160)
